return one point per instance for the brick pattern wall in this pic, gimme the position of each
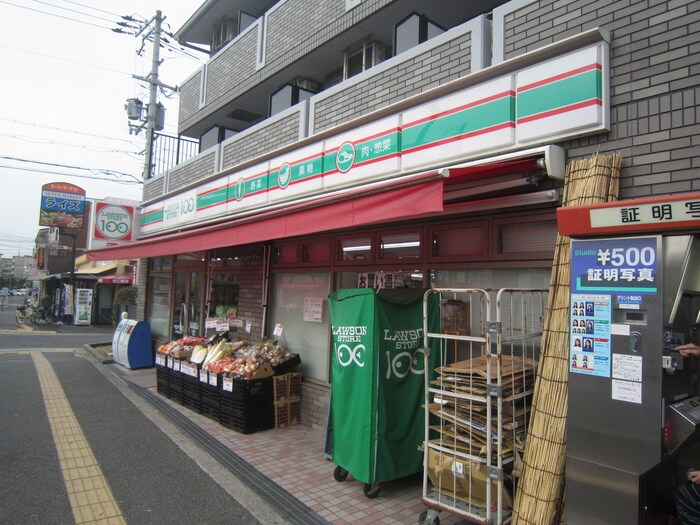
(189, 98)
(655, 74)
(153, 188)
(142, 284)
(295, 24)
(266, 137)
(250, 297)
(198, 168)
(430, 69)
(314, 405)
(292, 32)
(227, 69)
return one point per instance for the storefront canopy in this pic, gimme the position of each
(119, 278)
(326, 215)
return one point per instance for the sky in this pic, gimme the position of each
(66, 79)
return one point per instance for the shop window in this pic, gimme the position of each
(380, 280)
(160, 264)
(459, 242)
(355, 250)
(223, 303)
(400, 246)
(159, 305)
(316, 252)
(299, 304)
(525, 239)
(285, 254)
(413, 30)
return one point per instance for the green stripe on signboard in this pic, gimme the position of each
(377, 147)
(151, 217)
(212, 198)
(561, 93)
(459, 123)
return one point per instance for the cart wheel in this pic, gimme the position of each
(428, 517)
(340, 474)
(371, 490)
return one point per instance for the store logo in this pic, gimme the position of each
(284, 175)
(401, 364)
(239, 190)
(113, 222)
(347, 356)
(345, 157)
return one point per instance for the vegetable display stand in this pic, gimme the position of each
(246, 404)
(176, 381)
(162, 376)
(377, 386)
(209, 394)
(191, 391)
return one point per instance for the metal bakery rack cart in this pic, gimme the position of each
(479, 401)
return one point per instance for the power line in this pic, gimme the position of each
(68, 166)
(90, 7)
(63, 174)
(34, 124)
(73, 11)
(38, 140)
(53, 14)
(53, 57)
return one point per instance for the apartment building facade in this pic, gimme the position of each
(398, 143)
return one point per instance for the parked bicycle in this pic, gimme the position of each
(35, 314)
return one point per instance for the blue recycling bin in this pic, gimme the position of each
(131, 345)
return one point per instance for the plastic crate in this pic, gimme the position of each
(248, 407)
(191, 395)
(210, 396)
(288, 365)
(163, 381)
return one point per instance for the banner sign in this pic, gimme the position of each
(62, 205)
(604, 272)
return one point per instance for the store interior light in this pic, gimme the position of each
(387, 246)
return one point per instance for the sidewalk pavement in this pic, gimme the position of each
(292, 463)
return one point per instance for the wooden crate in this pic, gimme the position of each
(287, 399)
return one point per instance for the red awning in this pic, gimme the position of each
(120, 278)
(402, 202)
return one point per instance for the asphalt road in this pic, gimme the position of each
(154, 474)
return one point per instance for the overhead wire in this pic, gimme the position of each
(73, 11)
(59, 165)
(64, 174)
(53, 14)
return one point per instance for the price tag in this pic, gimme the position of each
(279, 328)
(203, 376)
(458, 469)
(248, 326)
(176, 365)
(213, 379)
(227, 385)
(170, 362)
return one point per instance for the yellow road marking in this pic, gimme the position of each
(88, 491)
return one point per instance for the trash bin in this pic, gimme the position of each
(377, 383)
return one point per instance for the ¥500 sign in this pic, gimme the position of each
(113, 222)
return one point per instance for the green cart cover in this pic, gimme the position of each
(377, 381)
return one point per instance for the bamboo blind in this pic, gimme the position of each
(540, 493)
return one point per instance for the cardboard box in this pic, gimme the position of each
(465, 480)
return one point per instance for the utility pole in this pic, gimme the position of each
(155, 113)
(152, 97)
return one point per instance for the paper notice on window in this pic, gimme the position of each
(628, 391)
(313, 309)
